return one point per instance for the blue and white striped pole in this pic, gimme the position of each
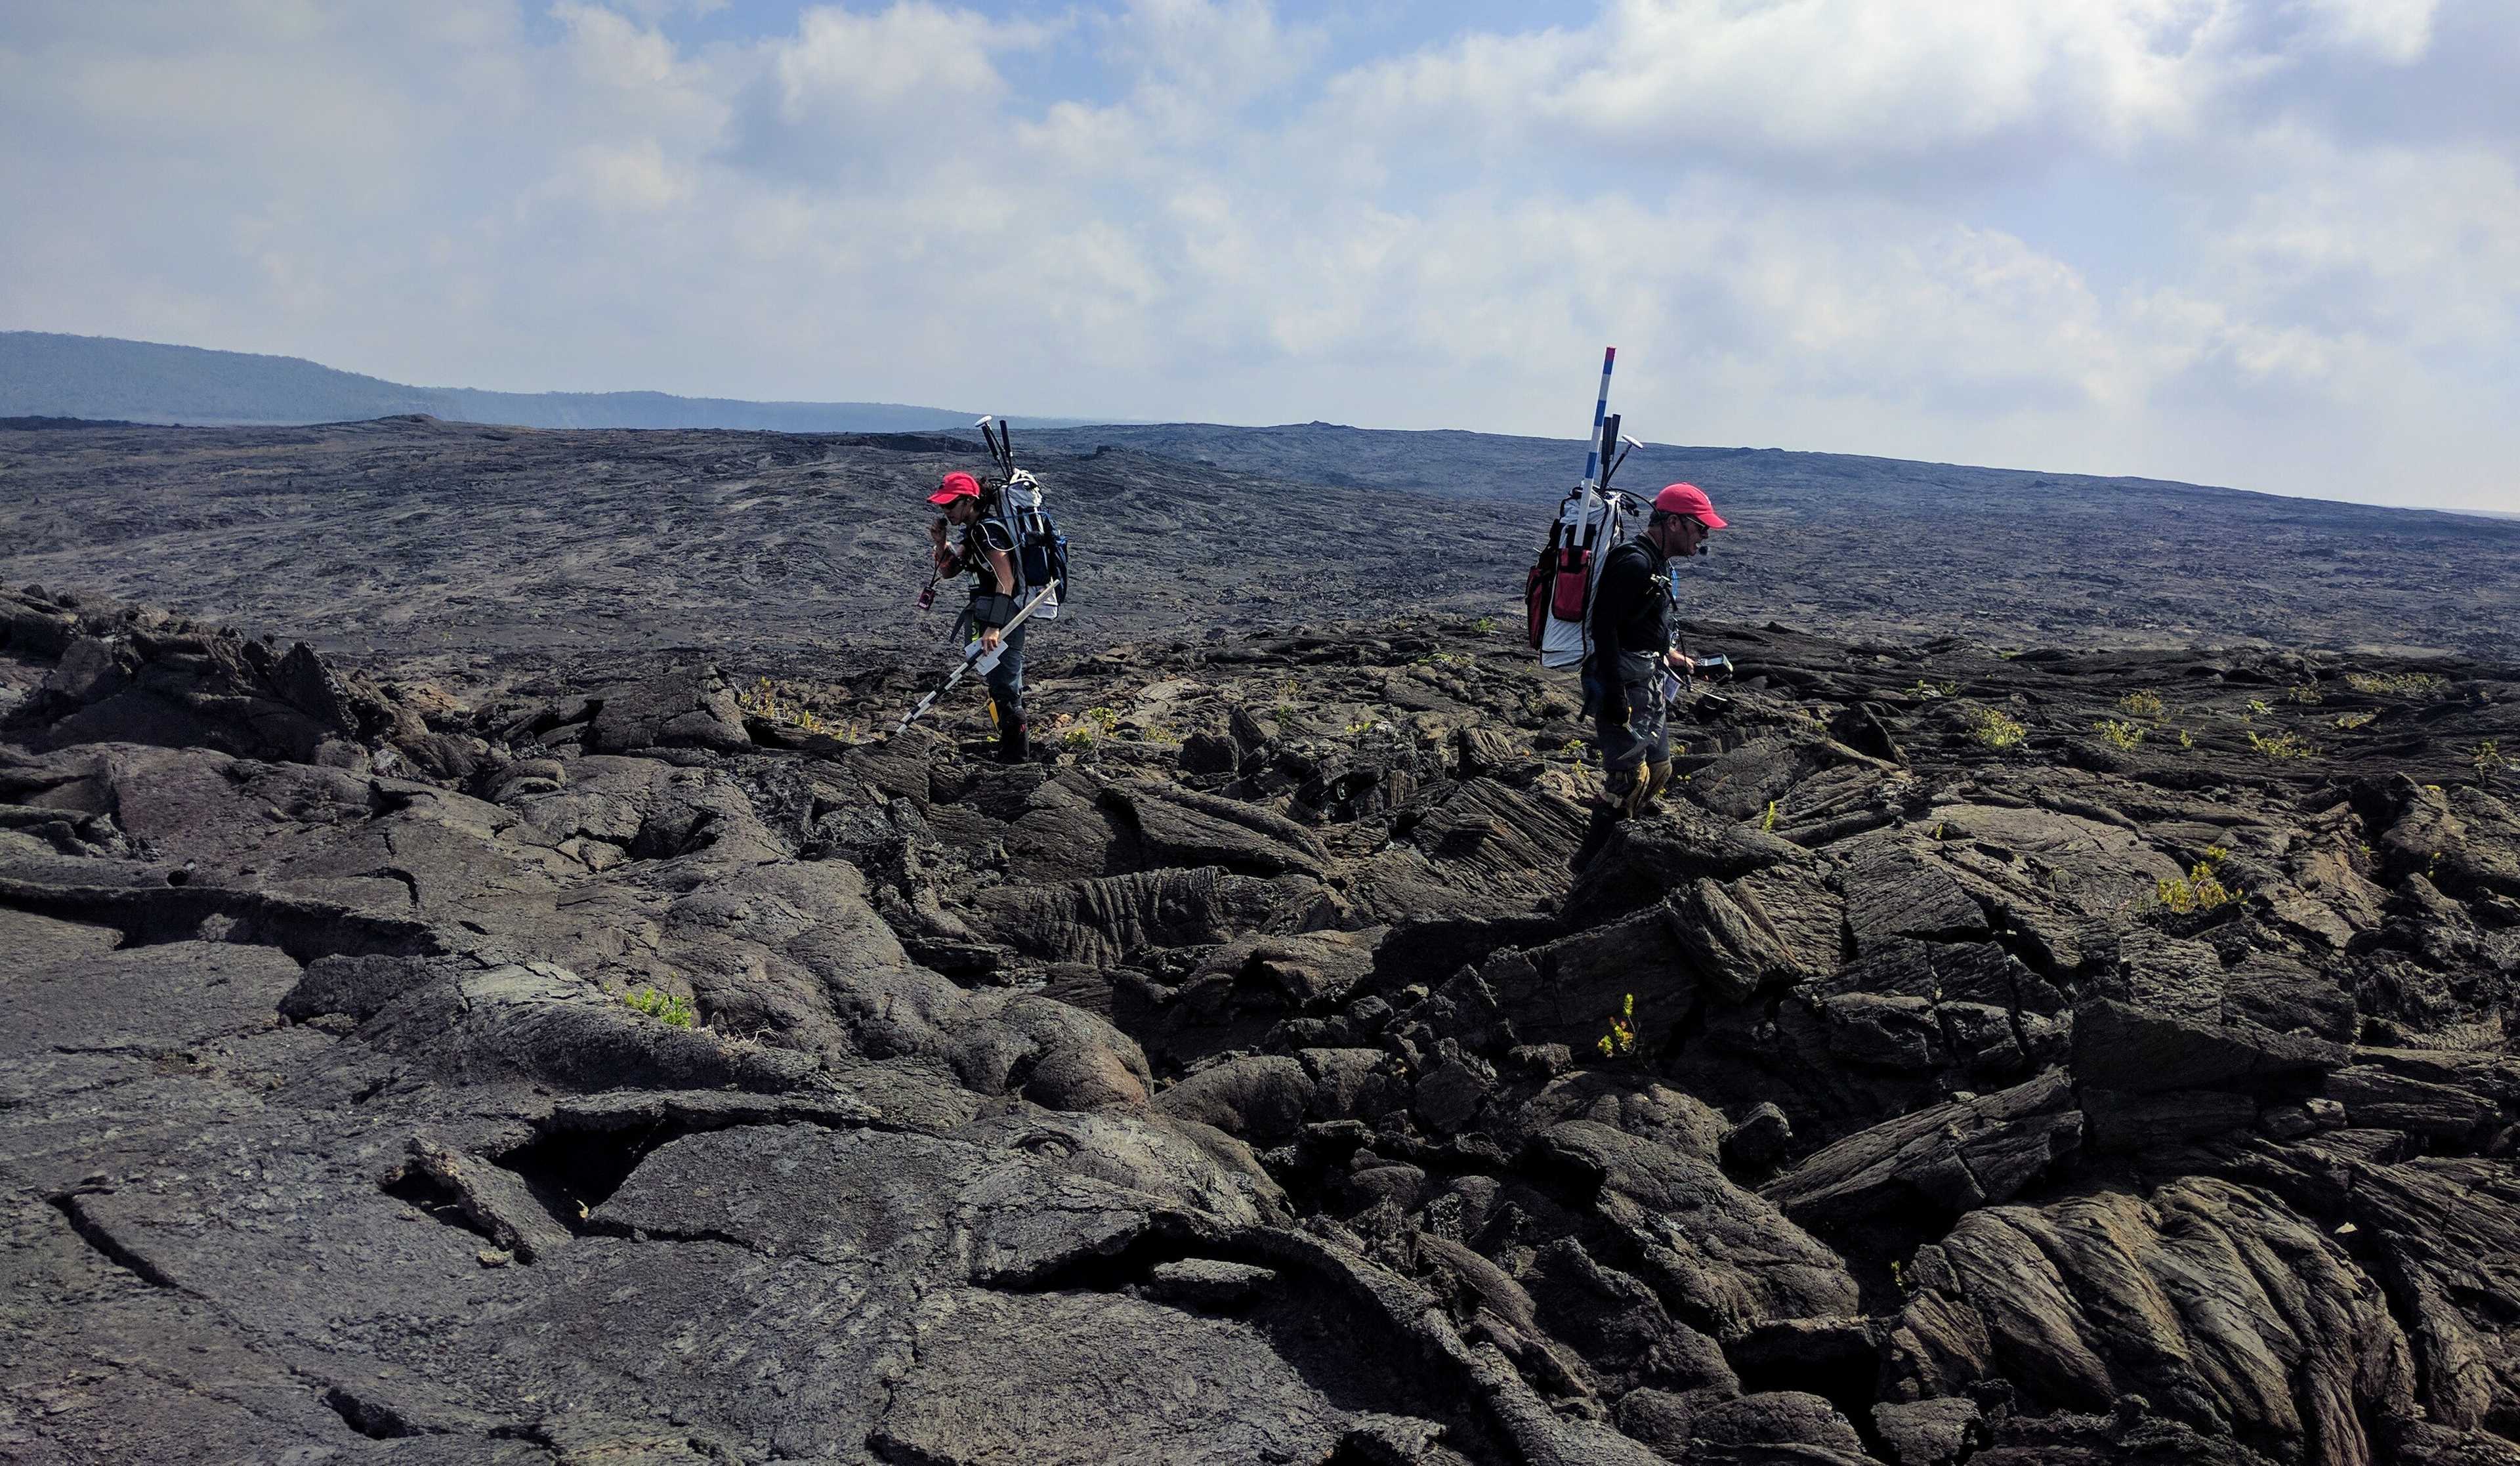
(1601, 409)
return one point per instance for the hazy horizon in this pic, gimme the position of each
(1063, 424)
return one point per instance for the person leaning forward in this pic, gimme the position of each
(1631, 648)
(986, 551)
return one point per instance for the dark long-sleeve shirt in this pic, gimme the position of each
(1631, 614)
(983, 545)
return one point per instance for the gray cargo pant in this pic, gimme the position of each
(1635, 755)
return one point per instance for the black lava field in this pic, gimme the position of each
(478, 985)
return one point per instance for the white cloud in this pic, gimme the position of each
(653, 11)
(612, 50)
(1839, 81)
(2394, 30)
(909, 61)
(1199, 56)
(859, 97)
(2421, 246)
(1847, 74)
(636, 177)
(1795, 217)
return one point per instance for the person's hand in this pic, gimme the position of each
(1680, 663)
(990, 636)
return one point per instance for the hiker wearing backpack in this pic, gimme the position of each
(986, 551)
(1632, 617)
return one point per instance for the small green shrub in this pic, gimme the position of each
(666, 1009)
(2394, 684)
(2355, 719)
(2283, 747)
(1927, 692)
(1994, 729)
(2187, 740)
(2126, 737)
(2489, 759)
(1769, 822)
(773, 702)
(1622, 1036)
(2306, 694)
(2199, 890)
(2142, 705)
(1484, 625)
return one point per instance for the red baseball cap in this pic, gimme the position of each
(1690, 500)
(964, 486)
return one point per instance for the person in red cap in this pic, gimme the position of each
(986, 553)
(1631, 648)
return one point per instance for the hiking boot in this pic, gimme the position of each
(1624, 790)
(1013, 744)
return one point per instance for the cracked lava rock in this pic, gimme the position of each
(2048, 1057)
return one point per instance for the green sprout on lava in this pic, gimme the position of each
(1622, 1036)
(1995, 729)
(2199, 890)
(667, 1008)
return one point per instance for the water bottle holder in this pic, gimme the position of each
(1574, 581)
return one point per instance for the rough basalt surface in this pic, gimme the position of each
(1283, 1067)
(487, 552)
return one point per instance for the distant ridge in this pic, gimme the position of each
(44, 375)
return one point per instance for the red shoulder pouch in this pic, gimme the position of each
(1574, 564)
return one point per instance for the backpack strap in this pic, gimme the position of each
(1003, 518)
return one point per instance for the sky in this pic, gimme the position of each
(2267, 244)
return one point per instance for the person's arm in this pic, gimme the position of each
(938, 552)
(1672, 657)
(1006, 572)
(1004, 567)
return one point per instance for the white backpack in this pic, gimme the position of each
(1558, 594)
(1591, 522)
